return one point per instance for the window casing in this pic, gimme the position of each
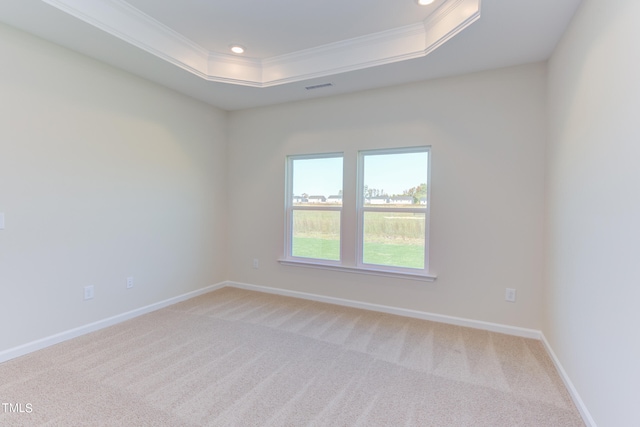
(382, 225)
(393, 225)
(313, 217)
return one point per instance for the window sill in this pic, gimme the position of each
(359, 270)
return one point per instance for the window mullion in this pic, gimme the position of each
(360, 210)
(349, 219)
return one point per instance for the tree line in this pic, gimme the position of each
(417, 193)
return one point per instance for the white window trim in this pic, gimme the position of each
(325, 265)
(361, 209)
(359, 267)
(289, 208)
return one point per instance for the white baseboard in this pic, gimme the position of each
(459, 321)
(12, 353)
(584, 412)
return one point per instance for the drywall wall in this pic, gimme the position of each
(487, 133)
(591, 306)
(102, 176)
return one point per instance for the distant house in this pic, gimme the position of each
(390, 200)
(377, 200)
(334, 199)
(300, 199)
(317, 199)
(401, 200)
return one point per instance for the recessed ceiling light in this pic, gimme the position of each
(236, 48)
(424, 2)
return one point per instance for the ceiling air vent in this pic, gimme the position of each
(320, 86)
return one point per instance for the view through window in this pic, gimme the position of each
(316, 207)
(389, 209)
(393, 208)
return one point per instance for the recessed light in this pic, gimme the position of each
(424, 2)
(236, 48)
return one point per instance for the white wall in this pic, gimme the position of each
(593, 293)
(488, 135)
(102, 176)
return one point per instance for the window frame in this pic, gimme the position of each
(351, 261)
(361, 209)
(290, 208)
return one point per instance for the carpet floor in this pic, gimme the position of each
(240, 358)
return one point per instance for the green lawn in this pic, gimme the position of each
(391, 238)
(411, 256)
(310, 247)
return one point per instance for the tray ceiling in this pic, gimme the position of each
(291, 45)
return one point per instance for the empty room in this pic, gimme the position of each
(407, 213)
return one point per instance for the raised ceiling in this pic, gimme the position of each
(291, 45)
(277, 27)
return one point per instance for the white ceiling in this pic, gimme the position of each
(276, 27)
(353, 44)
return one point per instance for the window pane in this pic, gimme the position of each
(395, 180)
(394, 239)
(317, 181)
(316, 234)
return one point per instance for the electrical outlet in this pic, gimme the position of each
(510, 295)
(88, 292)
(129, 282)
(256, 263)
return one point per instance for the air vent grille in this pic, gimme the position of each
(320, 86)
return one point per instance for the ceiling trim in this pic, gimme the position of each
(120, 19)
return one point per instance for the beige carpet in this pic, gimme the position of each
(235, 357)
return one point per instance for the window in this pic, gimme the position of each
(381, 226)
(314, 209)
(392, 208)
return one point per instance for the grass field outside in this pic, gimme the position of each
(390, 238)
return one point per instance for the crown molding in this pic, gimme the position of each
(347, 55)
(120, 19)
(450, 19)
